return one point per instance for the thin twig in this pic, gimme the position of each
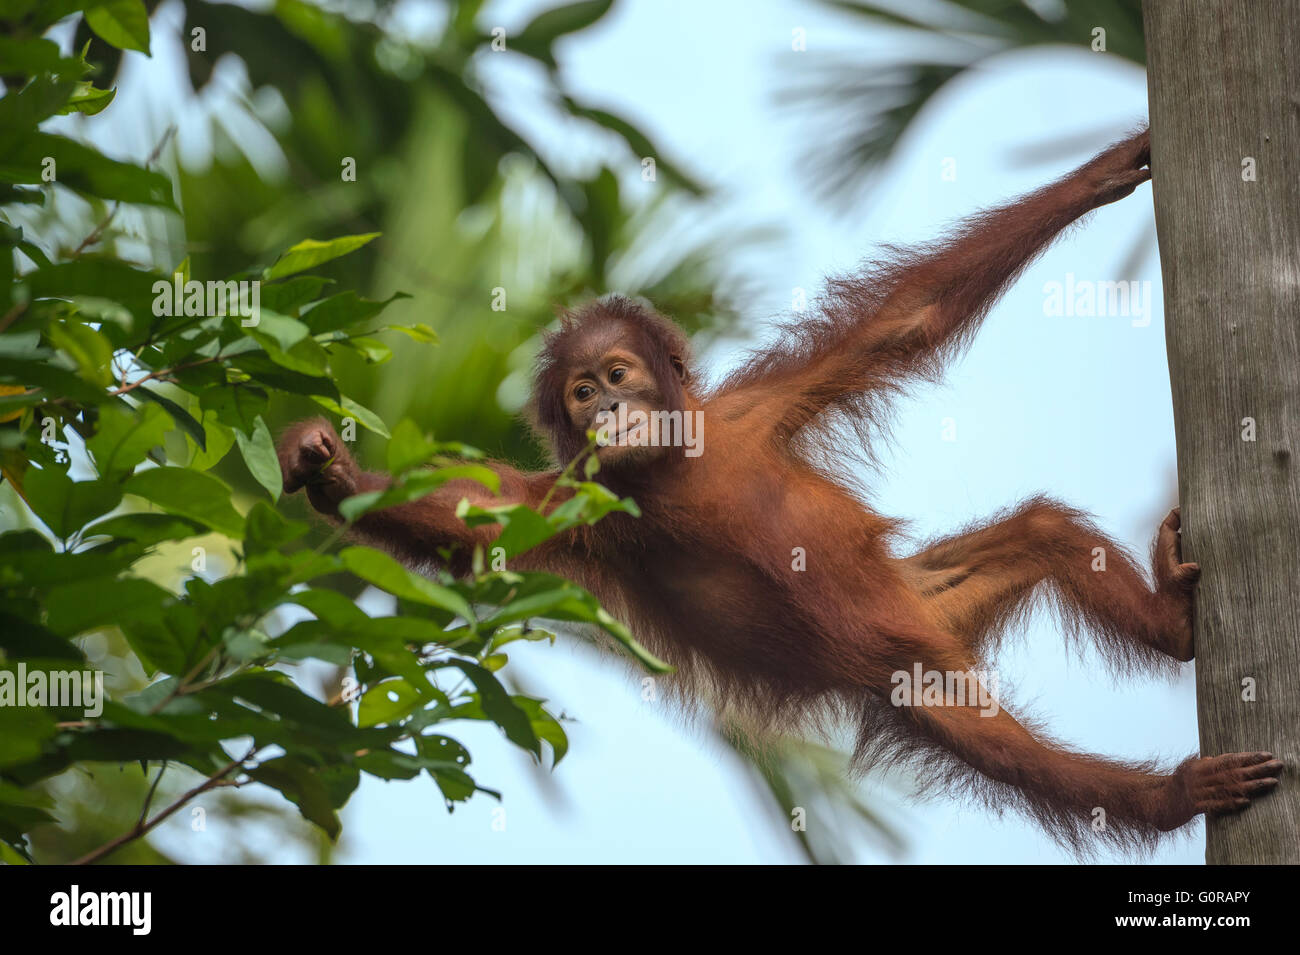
(161, 373)
(142, 828)
(144, 810)
(183, 682)
(98, 232)
(566, 473)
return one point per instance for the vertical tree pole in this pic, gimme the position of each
(1224, 84)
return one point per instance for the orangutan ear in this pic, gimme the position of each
(679, 366)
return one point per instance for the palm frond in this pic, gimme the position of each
(940, 42)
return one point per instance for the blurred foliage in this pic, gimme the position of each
(123, 385)
(468, 206)
(812, 788)
(932, 45)
(323, 119)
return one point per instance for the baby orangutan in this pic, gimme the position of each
(705, 575)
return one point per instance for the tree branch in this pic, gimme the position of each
(142, 828)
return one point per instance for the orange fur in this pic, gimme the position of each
(706, 576)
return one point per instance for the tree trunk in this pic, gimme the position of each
(1225, 156)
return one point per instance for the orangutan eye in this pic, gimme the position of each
(617, 374)
(583, 392)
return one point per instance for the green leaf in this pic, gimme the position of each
(388, 702)
(125, 746)
(522, 527)
(88, 100)
(12, 795)
(420, 332)
(23, 730)
(236, 406)
(266, 530)
(103, 601)
(383, 571)
(311, 252)
(279, 330)
(389, 764)
(278, 571)
(638, 142)
(123, 439)
(390, 641)
(38, 100)
(97, 277)
(589, 504)
(301, 786)
(67, 506)
(56, 382)
(385, 638)
(13, 194)
(183, 419)
(288, 297)
(340, 781)
(306, 357)
(29, 56)
(550, 597)
(23, 345)
(347, 408)
(331, 607)
(220, 438)
(169, 642)
(26, 557)
(259, 454)
(499, 707)
(147, 529)
(344, 310)
(17, 402)
(21, 639)
(246, 646)
(275, 694)
(442, 751)
(415, 487)
(372, 350)
(457, 786)
(80, 167)
(546, 726)
(192, 494)
(274, 373)
(408, 447)
(14, 852)
(123, 23)
(537, 37)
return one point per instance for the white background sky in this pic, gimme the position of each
(1078, 408)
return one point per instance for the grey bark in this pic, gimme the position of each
(1224, 87)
